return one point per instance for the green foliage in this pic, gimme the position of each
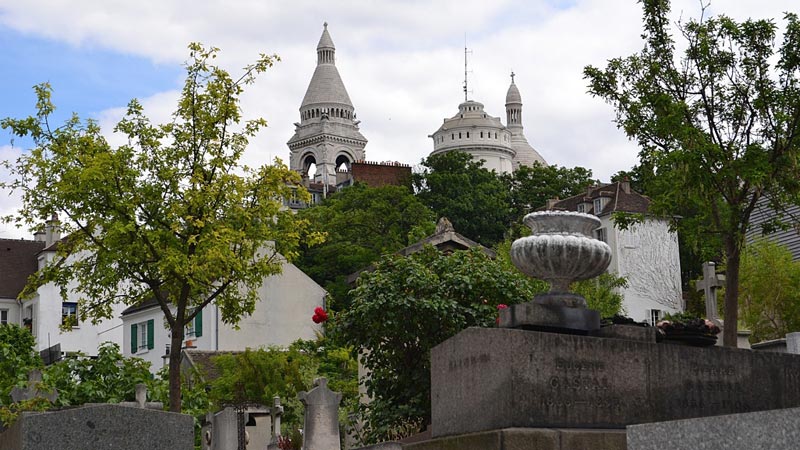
(603, 293)
(17, 358)
(362, 224)
(770, 290)
(169, 215)
(532, 186)
(407, 306)
(718, 125)
(107, 378)
(474, 199)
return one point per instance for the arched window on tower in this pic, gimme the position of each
(342, 163)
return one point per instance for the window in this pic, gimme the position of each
(69, 314)
(3, 316)
(481, 134)
(602, 234)
(598, 205)
(655, 316)
(195, 327)
(142, 336)
(467, 134)
(581, 207)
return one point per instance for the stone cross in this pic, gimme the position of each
(141, 399)
(19, 394)
(321, 429)
(709, 285)
(275, 413)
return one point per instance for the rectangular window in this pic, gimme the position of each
(142, 336)
(581, 207)
(655, 316)
(3, 316)
(69, 314)
(602, 234)
(195, 328)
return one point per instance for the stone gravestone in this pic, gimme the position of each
(32, 391)
(100, 427)
(773, 430)
(709, 285)
(223, 428)
(275, 413)
(141, 399)
(321, 424)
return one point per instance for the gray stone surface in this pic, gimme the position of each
(32, 391)
(383, 446)
(528, 439)
(793, 343)
(487, 379)
(773, 430)
(100, 427)
(629, 332)
(321, 421)
(534, 316)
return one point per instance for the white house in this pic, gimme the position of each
(44, 313)
(646, 254)
(282, 316)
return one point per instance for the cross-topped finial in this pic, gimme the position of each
(325, 25)
(512, 77)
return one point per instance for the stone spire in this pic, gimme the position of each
(525, 155)
(327, 135)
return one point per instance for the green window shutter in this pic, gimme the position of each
(151, 334)
(198, 324)
(134, 335)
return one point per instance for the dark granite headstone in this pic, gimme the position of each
(100, 427)
(494, 378)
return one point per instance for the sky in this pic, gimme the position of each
(401, 61)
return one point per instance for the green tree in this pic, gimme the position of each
(770, 290)
(719, 124)
(17, 357)
(361, 224)
(169, 215)
(406, 306)
(474, 199)
(106, 378)
(532, 186)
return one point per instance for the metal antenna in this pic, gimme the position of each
(465, 67)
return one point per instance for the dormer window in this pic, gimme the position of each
(581, 207)
(599, 204)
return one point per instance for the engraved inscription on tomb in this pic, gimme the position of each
(468, 361)
(583, 384)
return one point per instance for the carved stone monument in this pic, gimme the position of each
(33, 391)
(321, 429)
(561, 250)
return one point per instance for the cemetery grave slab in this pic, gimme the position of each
(528, 439)
(495, 378)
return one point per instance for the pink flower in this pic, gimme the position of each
(502, 306)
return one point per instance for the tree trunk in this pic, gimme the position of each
(730, 334)
(175, 367)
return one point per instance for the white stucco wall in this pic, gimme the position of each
(281, 317)
(646, 254)
(85, 337)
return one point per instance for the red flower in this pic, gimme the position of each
(319, 315)
(502, 306)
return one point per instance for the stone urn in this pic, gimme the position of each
(561, 250)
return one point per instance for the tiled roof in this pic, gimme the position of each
(141, 306)
(619, 198)
(17, 262)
